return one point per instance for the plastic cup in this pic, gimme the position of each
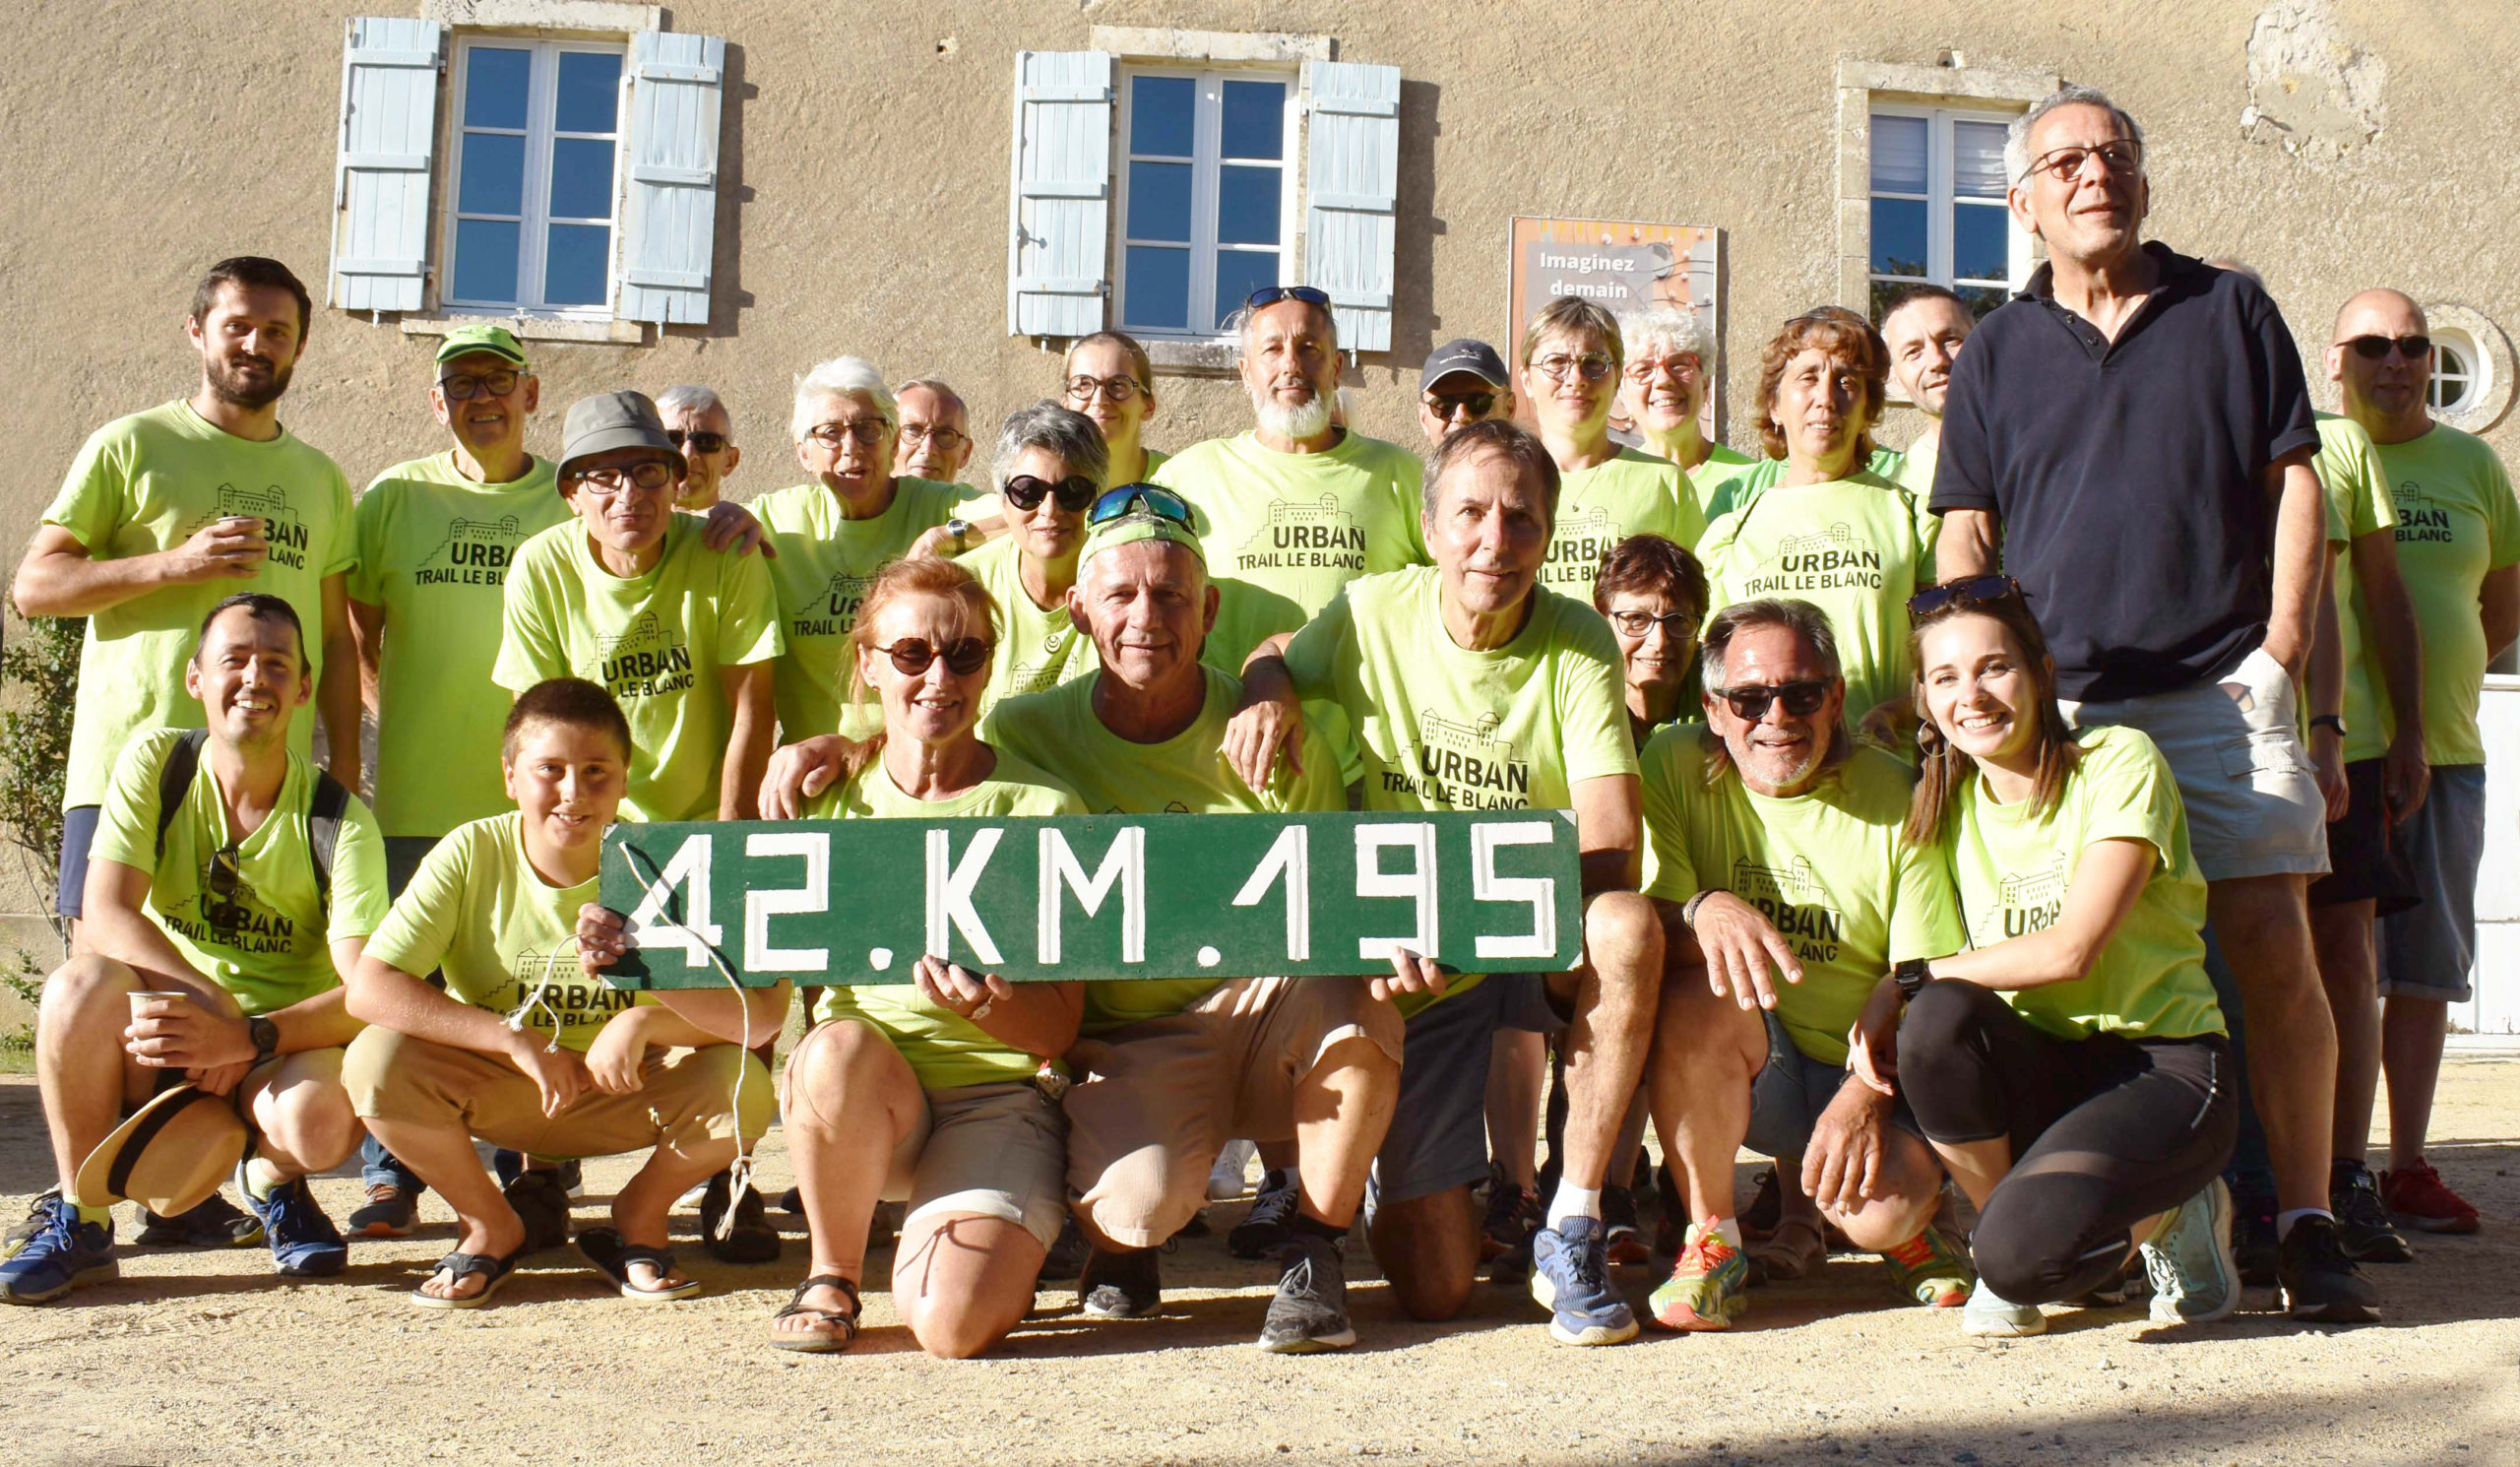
(141, 998)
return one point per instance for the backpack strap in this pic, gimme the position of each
(324, 833)
(175, 780)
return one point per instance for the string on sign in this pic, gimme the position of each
(739, 1174)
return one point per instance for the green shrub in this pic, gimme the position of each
(38, 690)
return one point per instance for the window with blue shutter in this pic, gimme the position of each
(381, 179)
(1351, 195)
(538, 142)
(670, 222)
(1060, 200)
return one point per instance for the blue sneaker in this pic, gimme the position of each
(305, 1242)
(1570, 1277)
(61, 1256)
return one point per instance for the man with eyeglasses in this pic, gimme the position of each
(629, 596)
(217, 930)
(1774, 853)
(1572, 356)
(1662, 390)
(1464, 382)
(2130, 388)
(936, 431)
(698, 425)
(1924, 327)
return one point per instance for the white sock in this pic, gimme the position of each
(1571, 1200)
(1728, 1228)
(2284, 1220)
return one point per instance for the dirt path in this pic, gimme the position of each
(199, 1357)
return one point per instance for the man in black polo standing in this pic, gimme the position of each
(2132, 438)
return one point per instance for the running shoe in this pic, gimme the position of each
(389, 1212)
(1989, 1317)
(305, 1242)
(2319, 1283)
(1618, 1214)
(1121, 1286)
(1709, 1286)
(1570, 1278)
(1065, 1259)
(746, 1236)
(2424, 1202)
(2253, 1238)
(2362, 1227)
(1309, 1313)
(1930, 1270)
(215, 1223)
(60, 1255)
(2196, 1279)
(38, 1217)
(1514, 1214)
(1263, 1230)
(1226, 1181)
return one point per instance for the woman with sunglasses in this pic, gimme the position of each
(1048, 471)
(1572, 354)
(2070, 1067)
(930, 1091)
(1829, 531)
(1108, 377)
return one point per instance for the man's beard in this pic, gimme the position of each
(233, 388)
(1279, 420)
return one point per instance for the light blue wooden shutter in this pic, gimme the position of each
(1059, 214)
(670, 222)
(1353, 195)
(381, 179)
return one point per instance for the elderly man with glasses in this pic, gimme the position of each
(1464, 382)
(2132, 438)
(698, 422)
(936, 431)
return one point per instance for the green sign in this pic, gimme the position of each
(1094, 896)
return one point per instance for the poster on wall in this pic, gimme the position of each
(1627, 266)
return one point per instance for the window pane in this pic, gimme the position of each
(574, 263)
(1899, 156)
(1980, 240)
(581, 178)
(1899, 238)
(1982, 299)
(1255, 120)
(1978, 159)
(1238, 274)
(1160, 115)
(484, 260)
(1160, 201)
(589, 99)
(1159, 288)
(1248, 202)
(494, 82)
(2451, 376)
(493, 174)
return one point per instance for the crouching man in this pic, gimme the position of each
(230, 887)
(528, 1050)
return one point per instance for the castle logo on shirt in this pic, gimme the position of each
(2420, 519)
(552, 995)
(2026, 902)
(282, 527)
(1796, 904)
(647, 660)
(1305, 536)
(1464, 766)
(1583, 540)
(835, 610)
(1830, 559)
(475, 552)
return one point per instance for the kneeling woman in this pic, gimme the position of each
(2071, 1069)
(931, 1091)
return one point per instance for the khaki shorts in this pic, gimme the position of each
(988, 1151)
(687, 1098)
(1164, 1095)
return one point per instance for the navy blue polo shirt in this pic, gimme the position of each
(2129, 475)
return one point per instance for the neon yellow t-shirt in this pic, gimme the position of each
(656, 641)
(1916, 472)
(1037, 647)
(276, 948)
(943, 1048)
(823, 566)
(2012, 869)
(1763, 475)
(1186, 774)
(2456, 521)
(1720, 467)
(1634, 494)
(1826, 867)
(145, 483)
(477, 912)
(433, 551)
(1855, 548)
(2356, 490)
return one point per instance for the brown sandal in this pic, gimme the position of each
(832, 1331)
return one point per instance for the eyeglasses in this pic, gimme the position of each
(649, 475)
(223, 911)
(1975, 591)
(1075, 492)
(2064, 164)
(1140, 498)
(1473, 405)
(1647, 368)
(914, 656)
(463, 387)
(696, 442)
(933, 433)
(2378, 347)
(1082, 390)
(1751, 703)
(868, 432)
(1269, 295)
(1676, 625)
(1592, 366)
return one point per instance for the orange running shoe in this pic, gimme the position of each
(1709, 1286)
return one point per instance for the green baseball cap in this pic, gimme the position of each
(465, 341)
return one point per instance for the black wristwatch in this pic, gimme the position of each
(266, 1038)
(2330, 720)
(1912, 976)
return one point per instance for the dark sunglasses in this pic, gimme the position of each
(1975, 591)
(222, 912)
(696, 442)
(1475, 404)
(912, 656)
(1076, 491)
(1140, 498)
(1800, 699)
(1269, 295)
(2375, 348)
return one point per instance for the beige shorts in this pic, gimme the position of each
(688, 1097)
(1164, 1095)
(986, 1150)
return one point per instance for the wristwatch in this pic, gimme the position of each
(1912, 976)
(961, 530)
(2334, 721)
(266, 1038)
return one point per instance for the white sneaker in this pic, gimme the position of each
(1987, 1317)
(2195, 1280)
(1228, 1179)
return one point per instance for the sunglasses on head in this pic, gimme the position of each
(696, 442)
(1975, 591)
(1075, 492)
(914, 656)
(1140, 498)
(1269, 295)
(1751, 702)
(2373, 347)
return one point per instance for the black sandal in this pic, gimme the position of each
(613, 1256)
(832, 1330)
(494, 1271)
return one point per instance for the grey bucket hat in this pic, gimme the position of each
(614, 419)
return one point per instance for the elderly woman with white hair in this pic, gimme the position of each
(835, 531)
(1663, 388)
(1049, 468)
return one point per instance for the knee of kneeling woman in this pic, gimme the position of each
(835, 1058)
(2025, 1264)
(315, 1125)
(953, 1330)
(1944, 1018)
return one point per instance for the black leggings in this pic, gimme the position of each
(2105, 1131)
